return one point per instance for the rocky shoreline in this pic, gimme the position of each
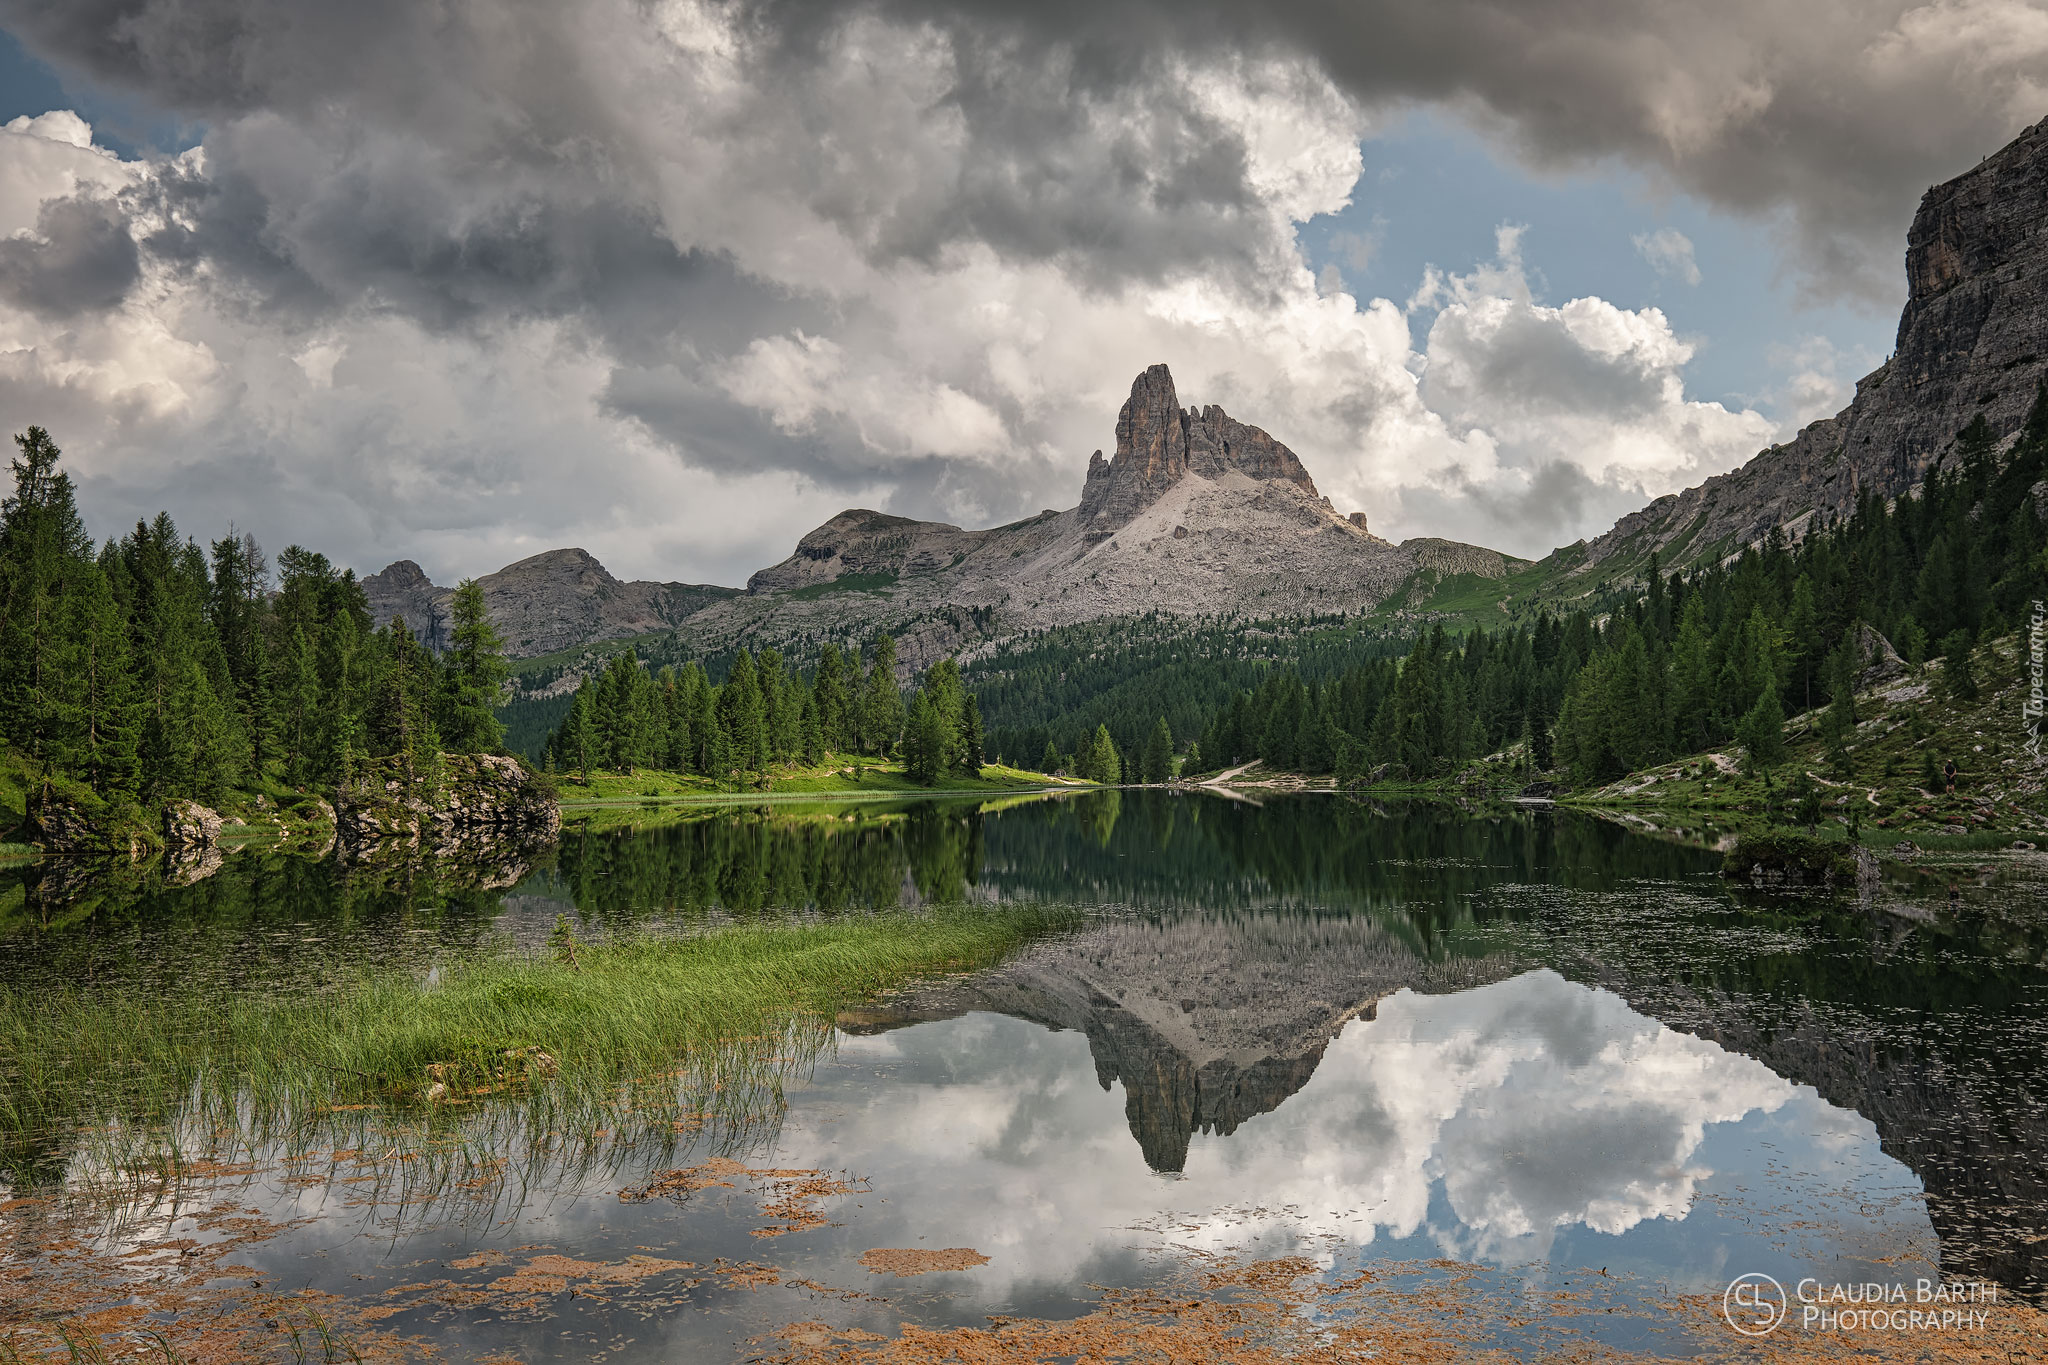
(462, 809)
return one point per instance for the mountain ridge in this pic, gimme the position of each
(1196, 514)
(553, 600)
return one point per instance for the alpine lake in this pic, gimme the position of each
(1303, 1077)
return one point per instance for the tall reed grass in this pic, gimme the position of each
(569, 1027)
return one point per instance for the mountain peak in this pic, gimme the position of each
(1158, 443)
(400, 576)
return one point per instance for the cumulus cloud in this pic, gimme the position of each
(1669, 253)
(678, 280)
(1565, 415)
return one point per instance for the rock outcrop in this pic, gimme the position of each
(76, 825)
(550, 601)
(480, 799)
(1972, 341)
(1880, 662)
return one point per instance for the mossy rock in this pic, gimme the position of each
(1785, 858)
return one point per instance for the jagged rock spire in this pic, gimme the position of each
(1157, 442)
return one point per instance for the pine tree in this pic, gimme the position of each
(924, 741)
(1156, 763)
(400, 722)
(476, 670)
(829, 693)
(192, 743)
(1805, 799)
(101, 721)
(1762, 731)
(238, 608)
(810, 733)
(742, 716)
(344, 680)
(1958, 676)
(1802, 632)
(1052, 760)
(881, 700)
(573, 740)
(972, 757)
(43, 550)
(1101, 763)
(709, 756)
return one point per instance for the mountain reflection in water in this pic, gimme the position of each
(1530, 1039)
(1493, 1124)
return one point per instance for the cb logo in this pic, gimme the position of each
(1753, 1304)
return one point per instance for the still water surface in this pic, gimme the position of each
(1534, 1044)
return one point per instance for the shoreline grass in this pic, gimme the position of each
(846, 775)
(560, 1026)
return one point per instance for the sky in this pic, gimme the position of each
(677, 280)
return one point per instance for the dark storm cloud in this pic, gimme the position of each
(1836, 113)
(476, 99)
(81, 259)
(647, 206)
(1162, 181)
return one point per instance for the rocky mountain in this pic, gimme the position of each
(1196, 513)
(1973, 341)
(551, 601)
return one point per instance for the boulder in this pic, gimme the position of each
(468, 798)
(1881, 663)
(189, 825)
(81, 827)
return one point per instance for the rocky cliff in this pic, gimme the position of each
(551, 601)
(1972, 341)
(1195, 514)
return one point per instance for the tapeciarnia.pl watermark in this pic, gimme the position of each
(1756, 1305)
(2037, 698)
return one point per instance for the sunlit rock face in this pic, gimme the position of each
(1973, 341)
